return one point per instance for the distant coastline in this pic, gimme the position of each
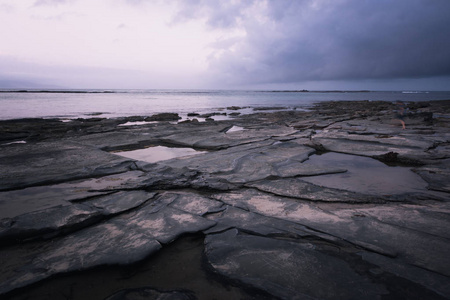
(58, 91)
(308, 91)
(79, 103)
(98, 91)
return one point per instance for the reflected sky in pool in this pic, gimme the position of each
(158, 153)
(365, 175)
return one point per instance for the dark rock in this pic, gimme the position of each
(194, 204)
(297, 188)
(233, 217)
(51, 162)
(134, 119)
(122, 240)
(234, 107)
(437, 177)
(268, 108)
(288, 270)
(163, 117)
(81, 250)
(388, 157)
(273, 217)
(120, 201)
(92, 119)
(150, 293)
(48, 222)
(209, 115)
(56, 220)
(421, 249)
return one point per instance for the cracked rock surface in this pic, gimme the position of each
(337, 202)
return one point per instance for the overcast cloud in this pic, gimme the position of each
(359, 44)
(292, 41)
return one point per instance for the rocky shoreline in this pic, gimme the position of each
(337, 202)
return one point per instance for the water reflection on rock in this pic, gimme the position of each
(158, 153)
(365, 175)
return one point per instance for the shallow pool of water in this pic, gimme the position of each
(158, 153)
(365, 175)
(235, 128)
(138, 123)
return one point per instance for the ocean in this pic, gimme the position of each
(67, 104)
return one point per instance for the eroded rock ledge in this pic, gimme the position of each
(292, 204)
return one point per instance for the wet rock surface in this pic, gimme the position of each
(337, 202)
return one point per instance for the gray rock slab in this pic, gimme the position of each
(430, 219)
(122, 240)
(27, 200)
(251, 135)
(201, 135)
(405, 216)
(18, 202)
(194, 203)
(246, 221)
(165, 177)
(365, 148)
(410, 146)
(315, 123)
(120, 201)
(218, 139)
(253, 162)
(437, 177)
(208, 182)
(441, 148)
(165, 225)
(197, 135)
(430, 280)
(215, 161)
(110, 183)
(399, 140)
(45, 222)
(297, 188)
(116, 140)
(55, 220)
(54, 162)
(407, 244)
(102, 244)
(286, 269)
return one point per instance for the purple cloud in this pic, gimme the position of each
(290, 41)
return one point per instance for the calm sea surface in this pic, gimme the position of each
(116, 103)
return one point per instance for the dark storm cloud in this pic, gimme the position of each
(218, 13)
(290, 41)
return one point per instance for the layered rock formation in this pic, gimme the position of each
(337, 202)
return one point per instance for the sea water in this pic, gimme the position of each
(122, 103)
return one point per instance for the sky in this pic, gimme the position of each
(215, 44)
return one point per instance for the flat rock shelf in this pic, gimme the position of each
(337, 202)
